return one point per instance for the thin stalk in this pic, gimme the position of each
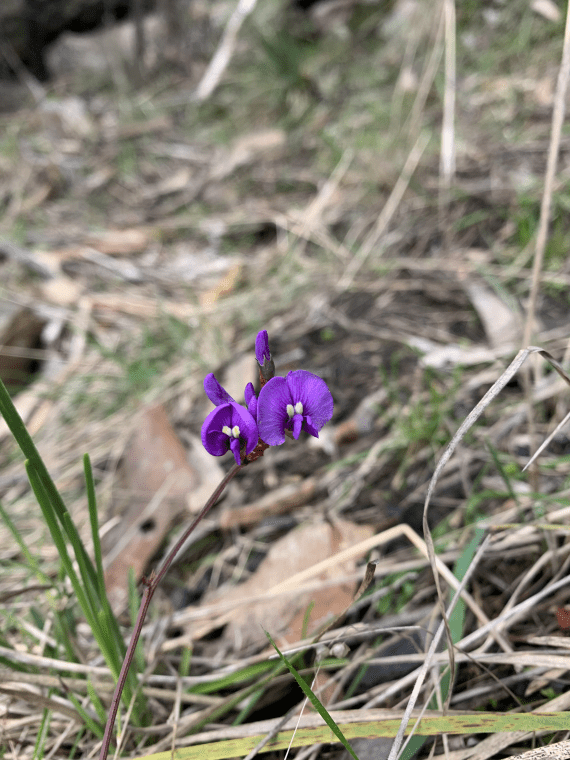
(150, 587)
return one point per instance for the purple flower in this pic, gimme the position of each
(227, 428)
(300, 401)
(263, 356)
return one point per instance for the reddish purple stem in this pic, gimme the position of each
(150, 588)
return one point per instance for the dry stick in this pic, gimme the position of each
(221, 58)
(426, 81)
(150, 588)
(447, 157)
(557, 121)
(545, 209)
(387, 212)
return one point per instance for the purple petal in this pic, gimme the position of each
(247, 425)
(248, 393)
(297, 425)
(214, 441)
(262, 347)
(229, 415)
(252, 407)
(310, 428)
(313, 393)
(235, 448)
(215, 392)
(272, 411)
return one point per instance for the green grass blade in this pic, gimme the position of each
(93, 519)
(502, 472)
(42, 736)
(59, 541)
(317, 704)
(248, 707)
(96, 702)
(245, 674)
(91, 724)
(32, 455)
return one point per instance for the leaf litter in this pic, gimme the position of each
(343, 261)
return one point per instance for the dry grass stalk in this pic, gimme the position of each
(222, 56)
(447, 155)
(545, 207)
(390, 208)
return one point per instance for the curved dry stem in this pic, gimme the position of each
(150, 587)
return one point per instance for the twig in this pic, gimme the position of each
(447, 157)
(544, 220)
(387, 212)
(545, 206)
(222, 56)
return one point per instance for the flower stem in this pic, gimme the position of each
(150, 587)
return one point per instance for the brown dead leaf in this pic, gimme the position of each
(156, 479)
(283, 617)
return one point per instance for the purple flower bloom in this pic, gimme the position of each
(300, 401)
(227, 428)
(263, 356)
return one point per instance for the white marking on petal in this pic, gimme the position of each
(290, 410)
(226, 430)
(298, 408)
(235, 431)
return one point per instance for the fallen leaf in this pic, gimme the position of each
(284, 616)
(155, 480)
